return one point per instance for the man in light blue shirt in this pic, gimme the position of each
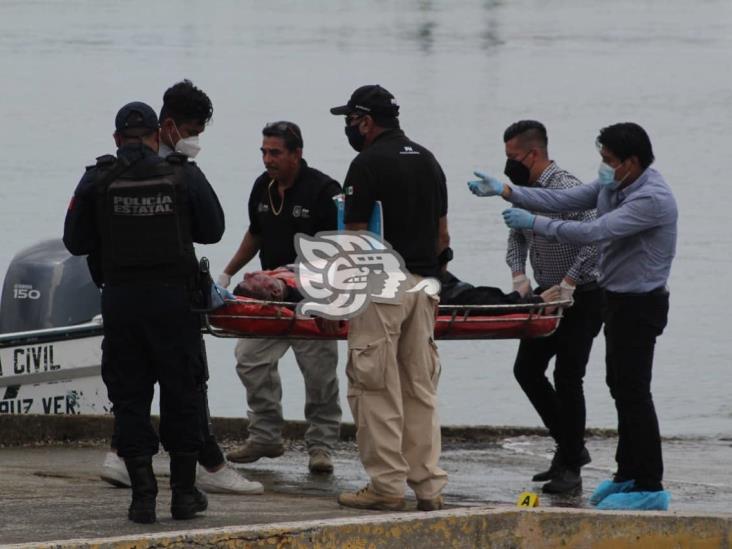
(635, 232)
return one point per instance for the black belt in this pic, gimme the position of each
(660, 291)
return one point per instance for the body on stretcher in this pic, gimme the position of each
(245, 317)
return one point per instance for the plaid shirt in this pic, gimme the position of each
(551, 261)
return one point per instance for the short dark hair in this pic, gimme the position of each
(184, 102)
(627, 139)
(529, 130)
(289, 132)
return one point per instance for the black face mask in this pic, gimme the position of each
(355, 139)
(517, 172)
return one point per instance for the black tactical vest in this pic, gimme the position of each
(144, 221)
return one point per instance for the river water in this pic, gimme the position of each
(462, 73)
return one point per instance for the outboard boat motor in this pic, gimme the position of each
(47, 287)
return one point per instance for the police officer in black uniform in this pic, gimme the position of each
(136, 216)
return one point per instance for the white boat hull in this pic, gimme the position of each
(54, 372)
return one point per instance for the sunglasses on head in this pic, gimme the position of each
(283, 128)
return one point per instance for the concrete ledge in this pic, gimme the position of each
(475, 527)
(18, 430)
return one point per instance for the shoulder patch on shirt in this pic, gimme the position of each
(103, 161)
(408, 150)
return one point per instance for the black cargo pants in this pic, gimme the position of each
(150, 335)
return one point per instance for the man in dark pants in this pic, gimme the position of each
(183, 118)
(574, 268)
(137, 216)
(636, 232)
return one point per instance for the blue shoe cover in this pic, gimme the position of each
(640, 501)
(607, 487)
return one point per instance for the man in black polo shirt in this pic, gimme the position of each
(393, 366)
(288, 198)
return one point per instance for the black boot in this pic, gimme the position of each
(558, 464)
(553, 470)
(144, 489)
(567, 481)
(187, 500)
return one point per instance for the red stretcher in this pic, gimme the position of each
(252, 318)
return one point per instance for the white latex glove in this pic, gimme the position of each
(522, 284)
(566, 292)
(223, 280)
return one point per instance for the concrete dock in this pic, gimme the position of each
(52, 496)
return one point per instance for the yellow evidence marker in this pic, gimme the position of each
(528, 499)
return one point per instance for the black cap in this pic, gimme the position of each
(371, 99)
(136, 119)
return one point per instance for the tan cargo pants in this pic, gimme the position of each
(393, 369)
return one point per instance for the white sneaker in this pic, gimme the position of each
(226, 481)
(114, 471)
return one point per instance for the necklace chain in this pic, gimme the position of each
(275, 211)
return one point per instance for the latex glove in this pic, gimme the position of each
(552, 294)
(485, 186)
(516, 218)
(223, 280)
(223, 292)
(566, 291)
(522, 284)
(219, 296)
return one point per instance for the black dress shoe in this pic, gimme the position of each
(567, 481)
(558, 463)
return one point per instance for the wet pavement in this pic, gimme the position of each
(54, 492)
(495, 473)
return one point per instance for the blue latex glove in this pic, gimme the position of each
(220, 295)
(485, 186)
(516, 218)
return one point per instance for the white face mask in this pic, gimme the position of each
(188, 146)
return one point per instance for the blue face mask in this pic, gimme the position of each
(606, 177)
